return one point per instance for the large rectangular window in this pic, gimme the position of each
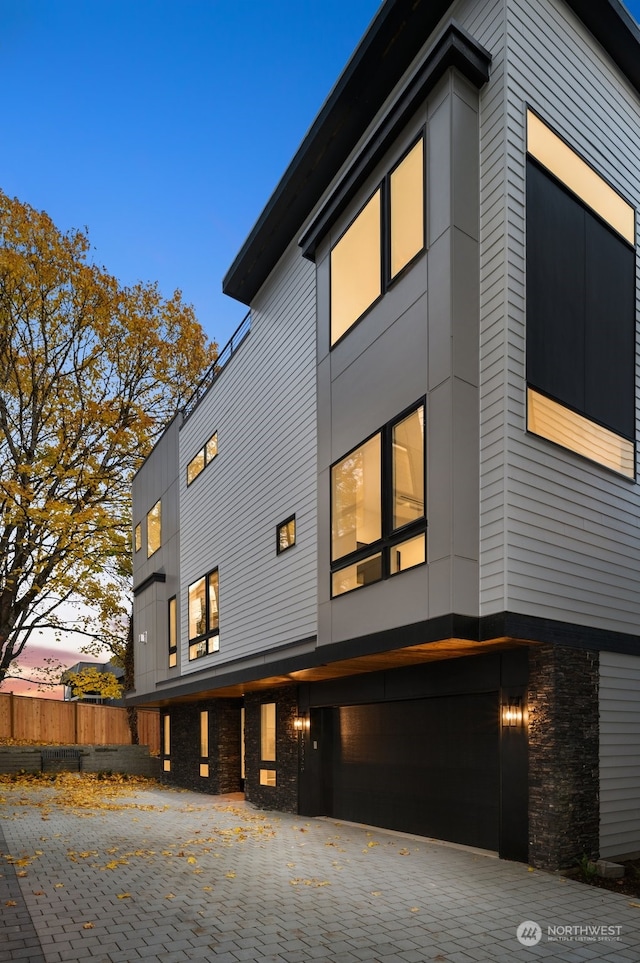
(580, 305)
(154, 528)
(204, 616)
(378, 506)
(173, 632)
(384, 237)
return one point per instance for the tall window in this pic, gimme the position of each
(378, 520)
(383, 238)
(204, 743)
(580, 305)
(204, 616)
(166, 743)
(200, 461)
(173, 632)
(137, 537)
(154, 528)
(268, 743)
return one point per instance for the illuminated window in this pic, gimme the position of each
(268, 731)
(384, 237)
(137, 537)
(199, 461)
(173, 633)
(267, 777)
(580, 305)
(166, 743)
(154, 528)
(376, 530)
(204, 743)
(204, 616)
(286, 534)
(406, 209)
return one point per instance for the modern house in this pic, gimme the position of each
(387, 561)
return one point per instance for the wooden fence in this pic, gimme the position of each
(23, 718)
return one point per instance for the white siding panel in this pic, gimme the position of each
(619, 695)
(264, 410)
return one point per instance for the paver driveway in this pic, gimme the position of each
(180, 876)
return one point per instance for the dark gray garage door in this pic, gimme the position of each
(426, 766)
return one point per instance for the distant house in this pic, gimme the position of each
(93, 697)
(387, 559)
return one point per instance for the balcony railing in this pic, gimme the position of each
(218, 365)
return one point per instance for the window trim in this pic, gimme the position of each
(390, 537)
(386, 280)
(210, 636)
(282, 525)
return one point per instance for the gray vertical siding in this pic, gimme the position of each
(157, 479)
(559, 537)
(264, 409)
(619, 695)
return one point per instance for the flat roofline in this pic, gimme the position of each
(397, 33)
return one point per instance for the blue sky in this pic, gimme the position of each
(163, 126)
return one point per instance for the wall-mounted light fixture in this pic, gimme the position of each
(301, 723)
(143, 638)
(512, 714)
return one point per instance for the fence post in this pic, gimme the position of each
(75, 723)
(12, 713)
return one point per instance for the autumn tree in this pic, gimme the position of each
(90, 373)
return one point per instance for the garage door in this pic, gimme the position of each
(425, 766)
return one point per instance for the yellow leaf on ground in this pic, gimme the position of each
(230, 875)
(87, 926)
(124, 895)
(10, 902)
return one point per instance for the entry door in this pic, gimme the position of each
(424, 766)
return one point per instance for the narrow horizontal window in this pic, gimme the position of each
(154, 529)
(558, 424)
(286, 535)
(354, 576)
(356, 269)
(408, 554)
(563, 162)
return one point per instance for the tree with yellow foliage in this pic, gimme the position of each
(90, 373)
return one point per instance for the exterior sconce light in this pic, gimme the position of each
(142, 638)
(512, 714)
(301, 723)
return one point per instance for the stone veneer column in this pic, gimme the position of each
(224, 746)
(284, 795)
(563, 756)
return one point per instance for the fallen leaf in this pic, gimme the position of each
(192, 860)
(414, 909)
(123, 895)
(635, 905)
(22, 872)
(38, 892)
(170, 896)
(377, 893)
(87, 926)
(230, 875)
(10, 902)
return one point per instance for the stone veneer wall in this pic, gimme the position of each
(563, 756)
(224, 746)
(284, 795)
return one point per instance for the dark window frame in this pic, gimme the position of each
(209, 640)
(205, 460)
(279, 527)
(173, 649)
(386, 280)
(390, 537)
